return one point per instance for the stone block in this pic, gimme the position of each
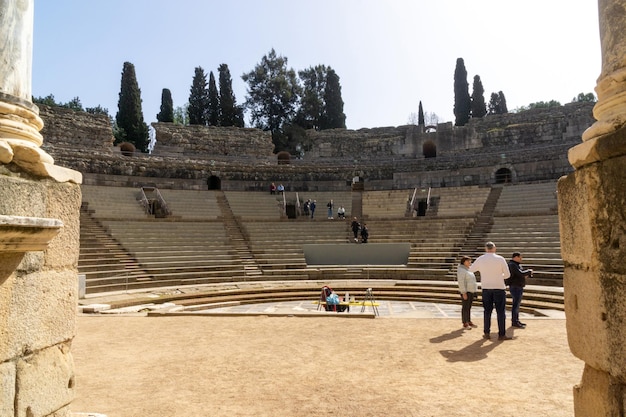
(63, 203)
(598, 394)
(45, 382)
(36, 310)
(7, 393)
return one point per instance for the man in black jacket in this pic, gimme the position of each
(516, 283)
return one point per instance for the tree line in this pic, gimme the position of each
(279, 100)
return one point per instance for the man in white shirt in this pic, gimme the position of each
(493, 270)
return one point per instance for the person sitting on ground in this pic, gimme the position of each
(341, 212)
(280, 188)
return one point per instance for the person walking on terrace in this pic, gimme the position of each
(365, 233)
(517, 282)
(467, 287)
(356, 226)
(493, 271)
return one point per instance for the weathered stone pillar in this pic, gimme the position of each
(39, 241)
(592, 213)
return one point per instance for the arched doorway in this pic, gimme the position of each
(214, 183)
(429, 149)
(503, 176)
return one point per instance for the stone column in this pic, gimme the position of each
(592, 215)
(20, 123)
(39, 241)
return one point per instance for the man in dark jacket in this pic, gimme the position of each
(517, 282)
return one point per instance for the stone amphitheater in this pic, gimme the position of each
(193, 226)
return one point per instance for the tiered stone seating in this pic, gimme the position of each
(114, 202)
(536, 238)
(524, 199)
(277, 246)
(385, 204)
(460, 201)
(192, 204)
(255, 204)
(435, 243)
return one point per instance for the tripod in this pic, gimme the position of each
(369, 298)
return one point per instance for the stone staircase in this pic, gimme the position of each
(237, 238)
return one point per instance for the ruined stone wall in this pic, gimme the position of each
(74, 129)
(173, 139)
(38, 297)
(529, 128)
(532, 145)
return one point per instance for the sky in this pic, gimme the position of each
(388, 54)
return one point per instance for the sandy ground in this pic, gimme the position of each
(302, 366)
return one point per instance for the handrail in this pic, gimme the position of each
(162, 203)
(145, 203)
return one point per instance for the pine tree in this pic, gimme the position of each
(462, 104)
(130, 126)
(166, 115)
(213, 111)
(420, 115)
(479, 108)
(333, 116)
(198, 99)
(230, 113)
(273, 93)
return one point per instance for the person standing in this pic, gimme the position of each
(517, 282)
(330, 206)
(312, 207)
(467, 287)
(365, 233)
(356, 226)
(493, 271)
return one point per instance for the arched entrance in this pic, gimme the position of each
(214, 183)
(429, 149)
(503, 176)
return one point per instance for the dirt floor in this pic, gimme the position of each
(302, 366)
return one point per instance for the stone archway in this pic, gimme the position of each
(503, 176)
(214, 183)
(429, 149)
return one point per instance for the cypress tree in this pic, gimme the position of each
(230, 113)
(503, 109)
(213, 111)
(462, 104)
(198, 99)
(312, 100)
(333, 116)
(130, 126)
(166, 114)
(479, 108)
(420, 115)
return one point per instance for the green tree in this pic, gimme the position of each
(166, 115)
(198, 99)
(213, 111)
(312, 100)
(129, 119)
(333, 116)
(420, 115)
(462, 103)
(230, 113)
(97, 110)
(479, 108)
(74, 104)
(273, 93)
(181, 115)
(48, 101)
(497, 104)
(584, 98)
